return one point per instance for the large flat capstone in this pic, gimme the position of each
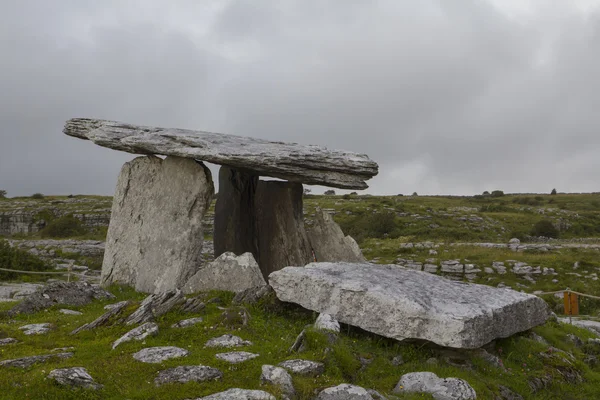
(289, 161)
(399, 303)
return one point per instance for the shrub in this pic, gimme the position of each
(497, 193)
(553, 192)
(37, 196)
(2, 194)
(415, 194)
(486, 193)
(346, 197)
(329, 192)
(13, 258)
(544, 228)
(63, 227)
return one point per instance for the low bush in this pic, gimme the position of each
(13, 258)
(37, 196)
(545, 228)
(63, 227)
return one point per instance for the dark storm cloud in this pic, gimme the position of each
(449, 97)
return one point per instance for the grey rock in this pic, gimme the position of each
(27, 362)
(387, 299)
(397, 361)
(191, 373)
(236, 357)
(36, 329)
(239, 394)
(326, 322)
(252, 295)
(155, 355)
(430, 268)
(187, 322)
(514, 241)
(507, 394)
(288, 161)
(329, 242)
(193, 305)
(227, 272)
(439, 388)
(7, 341)
(106, 318)
(279, 377)
(227, 340)
(69, 312)
(74, 377)
(592, 326)
(344, 392)
(154, 240)
(155, 305)
(303, 367)
(139, 333)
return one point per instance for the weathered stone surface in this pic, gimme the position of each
(113, 313)
(252, 295)
(326, 322)
(592, 326)
(155, 355)
(187, 322)
(344, 392)
(303, 367)
(64, 293)
(188, 373)
(278, 376)
(154, 240)
(69, 312)
(239, 394)
(139, 333)
(282, 240)
(507, 394)
(329, 242)
(289, 161)
(36, 329)
(7, 341)
(74, 377)
(236, 357)
(227, 340)
(440, 389)
(27, 362)
(154, 306)
(227, 272)
(399, 303)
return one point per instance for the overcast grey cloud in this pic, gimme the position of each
(449, 97)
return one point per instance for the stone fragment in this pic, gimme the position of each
(252, 295)
(279, 377)
(326, 322)
(312, 165)
(69, 312)
(155, 355)
(154, 306)
(344, 392)
(329, 242)
(236, 357)
(105, 319)
(188, 373)
(439, 388)
(187, 322)
(239, 394)
(227, 340)
(193, 305)
(303, 367)
(36, 329)
(74, 377)
(430, 268)
(154, 240)
(139, 333)
(7, 341)
(26, 362)
(507, 394)
(228, 272)
(389, 300)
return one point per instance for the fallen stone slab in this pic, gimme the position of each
(344, 391)
(236, 357)
(439, 388)
(155, 355)
(399, 303)
(228, 272)
(113, 313)
(239, 394)
(36, 329)
(26, 362)
(303, 367)
(7, 341)
(139, 333)
(187, 373)
(187, 322)
(74, 377)
(279, 377)
(290, 161)
(227, 340)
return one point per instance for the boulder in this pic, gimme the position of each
(226, 341)
(7, 341)
(228, 272)
(187, 322)
(329, 242)
(36, 329)
(188, 373)
(156, 355)
(303, 367)
(74, 377)
(155, 305)
(154, 240)
(279, 377)
(27, 362)
(239, 394)
(439, 388)
(344, 392)
(399, 303)
(326, 322)
(139, 333)
(236, 357)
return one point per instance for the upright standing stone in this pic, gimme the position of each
(155, 234)
(329, 243)
(282, 240)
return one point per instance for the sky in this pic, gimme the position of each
(447, 96)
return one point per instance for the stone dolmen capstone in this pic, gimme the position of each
(400, 303)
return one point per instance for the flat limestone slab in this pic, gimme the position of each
(313, 165)
(399, 303)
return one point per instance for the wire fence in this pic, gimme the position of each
(68, 272)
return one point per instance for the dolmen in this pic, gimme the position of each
(155, 235)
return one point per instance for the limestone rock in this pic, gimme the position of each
(139, 333)
(279, 377)
(592, 326)
(252, 295)
(36, 329)
(326, 322)
(155, 355)
(154, 240)
(114, 312)
(236, 357)
(7, 341)
(303, 367)
(154, 306)
(191, 373)
(228, 272)
(403, 304)
(507, 394)
(290, 161)
(69, 312)
(440, 389)
(344, 392)
(329, 242)
(74, 377)
(227, 340)
(239, 394)
(187, 322)
(27, 362)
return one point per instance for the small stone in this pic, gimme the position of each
(303, 367)
(507, 394)
(155, 355)
(69, 312)
(227, 340)
(239, 394)
(236, 357)
(139, 333)
(344, 392)
(398, 360)
(191, 373)
(326, 322)
(75, 377)
(278, 377)
(187, 322)
(27, 362)
(441, 389)
(62, 349)
(36, 329)
(6, 341)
